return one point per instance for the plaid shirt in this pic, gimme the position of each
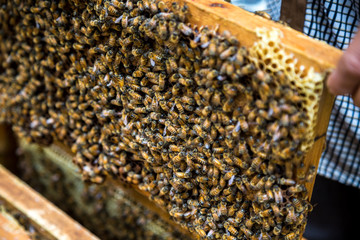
(335, 22)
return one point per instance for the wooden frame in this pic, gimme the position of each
(242, 24)
(40, 212)
(309, 52)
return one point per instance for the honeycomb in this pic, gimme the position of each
(214, 132)
(269, 55)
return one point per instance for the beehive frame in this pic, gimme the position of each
(308, 51)
(212, 13)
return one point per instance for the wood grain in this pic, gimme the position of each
(10, 229)
(42, 213)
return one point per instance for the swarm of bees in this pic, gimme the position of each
(90, 204)
(183, 112)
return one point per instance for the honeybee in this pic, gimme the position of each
(183, 174)
(277, 194)
(296, 189)
(228, 53)
(284, 181)
(246, 231)
(125, 20)
(299, 207)
(242, 164)
(255, 164)
(311, 174)
(163, 30)
(230, 228)
(291, 216)
(260, 184)
(269, 182)
(182, 13)
(263, 14)
(119, 4)
(202, 179)
(201, 232)
(187, 31)
(215, 191)
(135, 95)
(254, 181)
(186, 81)
(112, 10)
(250, 222)
(218, 150)
(266, 213)
(275, 209)
(291, 236)
(218, 164)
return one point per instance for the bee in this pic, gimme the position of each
(215, 191)
(207, 94)
(139, 110)
(125, 20)
(299, 207)
(277, 194)
(246, 231)
(228, 105)
(255, 164)
(266, 213)
(291, 236)
(199, 131)
(284, 181)
(187, 31)
(291, 215)
(97, 179)
(137, 52)
(112, 10)
(135, 95)
(171, 66)
(217, 163)
(164, 106)
(186, 81)
(248, 69)
(230, 228)
(242, 164)
(163, 30)
(230, 38)
(250, 222)
(183, 174)
(202, 179)
(118, 4)
(78, 46)
(263, 14)
(296, 189)
(269, 182)
(202, 232)
(212, 74)
(171, 129)
(218, 150)
(311, 174)
(228, 53)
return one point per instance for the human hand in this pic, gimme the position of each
(345, 79)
